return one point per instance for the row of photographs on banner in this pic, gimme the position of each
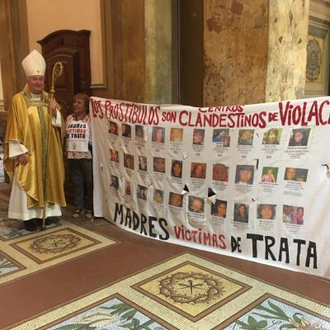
(244, 174)
(196, 205)
(218, 172)
(299, 137)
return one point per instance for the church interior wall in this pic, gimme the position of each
(47, 16)
(248, 52)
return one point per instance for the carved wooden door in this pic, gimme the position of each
(72, 49)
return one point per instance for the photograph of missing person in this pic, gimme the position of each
(159, 164)
(139, 132)
(158, 196)
(113, 128)
(142, 192)
(219, 209)
(198, 170)
(272, 136)
(295, 174)
(293, 214)
(245, 137)
(175, 199)
(129, 161)
(269, 174)
(176, 134)
(226, 142)
(219, 135)
(114, 156)
(198, 136)
(241, 213)
(176, 169)
(196, 204)
(158, 134)
(298, 216)
(128, 188)
(220, 172)
(114, 182)
(126, 130)
(266, 211)
(244, 174)
(143, 163)
(299, 137)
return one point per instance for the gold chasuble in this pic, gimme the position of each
(30, 123)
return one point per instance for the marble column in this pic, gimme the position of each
(288, 33)
(235, 51)
(158, 51)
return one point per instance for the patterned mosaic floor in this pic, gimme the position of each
(187, 293)
(23, 253)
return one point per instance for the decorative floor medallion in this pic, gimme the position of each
(22, 254)
(191, 289)
(54, 245)
(187, 292)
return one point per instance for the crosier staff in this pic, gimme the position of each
(57, 72)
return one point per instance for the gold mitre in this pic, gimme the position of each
(34, 64)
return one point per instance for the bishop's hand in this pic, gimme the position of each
(52, 105)
(23, 159)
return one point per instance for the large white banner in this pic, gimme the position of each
(245, 181)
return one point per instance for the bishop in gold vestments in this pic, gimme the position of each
(33, 149)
